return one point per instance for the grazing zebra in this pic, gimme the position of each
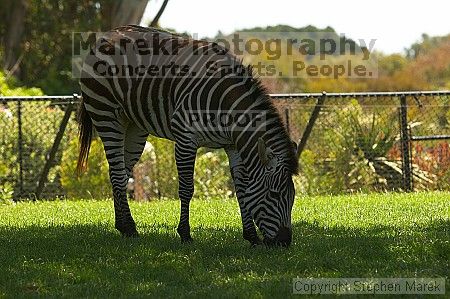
(204, 79)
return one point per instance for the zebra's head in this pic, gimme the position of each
(273, 215)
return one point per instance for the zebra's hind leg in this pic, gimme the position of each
(240, 179)
(185, 154)
(135, 139)
(113, 141)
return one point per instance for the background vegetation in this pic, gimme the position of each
(359, 142)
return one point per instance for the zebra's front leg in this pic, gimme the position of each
(248, 226)
(240, 179)
(185, 154)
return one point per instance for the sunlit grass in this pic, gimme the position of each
(70, 248)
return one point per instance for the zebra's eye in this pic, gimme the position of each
(273, 193)
(270, 166)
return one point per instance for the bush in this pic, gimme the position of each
(6, 193)
(356, 143)
(212, 175)
(94, 183)
(155, 175)
(40, 122)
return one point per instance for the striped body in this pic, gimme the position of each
(191, 81)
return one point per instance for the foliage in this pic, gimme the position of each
(71, 249)
(425, 65)
(427, 69)
(155, 175)
(45, 43)
(355, 143)
(426, 45)
(9, 86)
(6, 193)
(212, 175)
(40, 122)
(94, 183)
(45, 50)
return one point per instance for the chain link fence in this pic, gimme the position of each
(370, 142)
(35, 132)
(349, 142)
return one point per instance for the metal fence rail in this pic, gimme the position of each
(370, 141)
(420, 116)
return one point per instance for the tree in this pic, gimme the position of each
(36, 36)
(125, 12)
(12, 30)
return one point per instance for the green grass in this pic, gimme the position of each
(70, 248)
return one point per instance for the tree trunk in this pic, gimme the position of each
(127, 12)
(14, 33)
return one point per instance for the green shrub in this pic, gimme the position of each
(156, 173)
(94, 183)
(40, 122)
(349, 152)
(212, 175)
(9, 87)
(6, 193)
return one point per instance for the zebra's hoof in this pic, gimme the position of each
(252, 237)
(128, 231)
(185, 234)
(130, 234)
(187, 240)
(255, 242)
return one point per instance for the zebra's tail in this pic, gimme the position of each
(84, 137)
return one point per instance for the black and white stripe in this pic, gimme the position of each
(126, 109)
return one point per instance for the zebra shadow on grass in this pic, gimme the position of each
(70, 260)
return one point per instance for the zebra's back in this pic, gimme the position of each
(153, 77)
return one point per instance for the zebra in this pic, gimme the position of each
(126, 108)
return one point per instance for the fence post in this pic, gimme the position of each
(20, 146)
(405, 145)
(310, 125)
(286, 117)
(54, 149)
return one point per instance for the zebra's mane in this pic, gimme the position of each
(265, 102)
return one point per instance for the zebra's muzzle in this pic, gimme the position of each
(283, 238)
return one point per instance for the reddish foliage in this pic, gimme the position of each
(435, 159)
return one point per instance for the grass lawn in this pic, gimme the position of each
(70, 248)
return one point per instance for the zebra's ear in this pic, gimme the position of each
(264, 153)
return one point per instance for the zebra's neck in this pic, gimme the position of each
(273, 133)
